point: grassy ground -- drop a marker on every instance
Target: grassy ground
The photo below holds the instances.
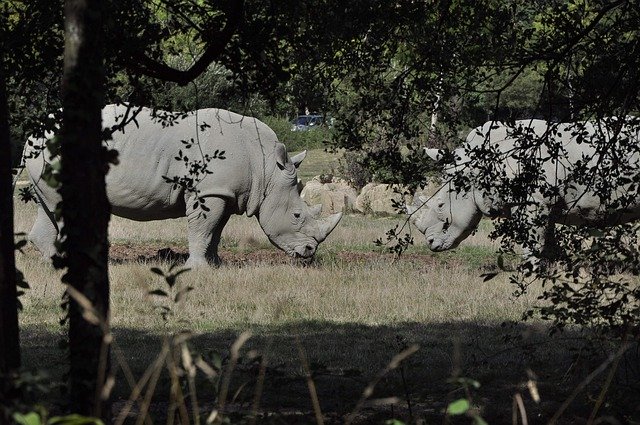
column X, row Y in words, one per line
column 351, row 311
column 318, row 161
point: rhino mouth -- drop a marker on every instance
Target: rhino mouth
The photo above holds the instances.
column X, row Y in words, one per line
column 436, row 245
column 304, row 251
column 442, row 241
column 301, row 260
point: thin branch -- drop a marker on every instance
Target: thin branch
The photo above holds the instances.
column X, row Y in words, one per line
column 136, row 61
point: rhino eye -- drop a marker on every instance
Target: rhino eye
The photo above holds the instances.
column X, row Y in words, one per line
column 296, row 214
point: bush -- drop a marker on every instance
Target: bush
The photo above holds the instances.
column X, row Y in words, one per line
column 317, row 138
column 353, row 170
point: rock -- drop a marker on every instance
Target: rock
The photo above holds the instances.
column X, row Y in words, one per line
column 376, row 198
column 334, row 194
column 432, row 186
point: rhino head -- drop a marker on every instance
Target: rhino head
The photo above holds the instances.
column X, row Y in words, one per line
column 448, row 217
column 289, row 223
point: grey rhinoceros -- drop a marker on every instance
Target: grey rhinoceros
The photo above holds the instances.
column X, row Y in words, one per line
column 450, row 215
column 255, row 176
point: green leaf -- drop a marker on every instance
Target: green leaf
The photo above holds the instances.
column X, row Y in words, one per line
column 157, row 271
column 158, row 292
column 179, row 272
column 488, row 276
column 458, row 407
column 31, row 418
column 182, row 293
column 74, row 420
column 56, row 165
column 477, row 420
column 216, row 360
column 394, row 422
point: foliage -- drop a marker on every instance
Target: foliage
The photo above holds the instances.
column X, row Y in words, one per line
column 33, row 418
column 352, row 169
column 32, row 42
column 212, row 89
column 175, row 294
column 316, row 138
column 464, row 406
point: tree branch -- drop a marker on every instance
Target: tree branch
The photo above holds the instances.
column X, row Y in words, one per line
column 140, row 63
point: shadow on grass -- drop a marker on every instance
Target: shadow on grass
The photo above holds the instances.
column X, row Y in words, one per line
column 345, row 357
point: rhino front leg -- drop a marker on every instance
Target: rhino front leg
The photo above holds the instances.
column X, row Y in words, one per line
column 44, row 234
column 205, row 229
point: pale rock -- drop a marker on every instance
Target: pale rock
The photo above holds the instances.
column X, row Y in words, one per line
column 335, row 196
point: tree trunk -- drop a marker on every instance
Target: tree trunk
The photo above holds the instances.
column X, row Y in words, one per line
column 85, row 208
column 9, row 335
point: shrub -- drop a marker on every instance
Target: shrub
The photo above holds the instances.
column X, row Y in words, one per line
column 353, row 170
column 317, row 138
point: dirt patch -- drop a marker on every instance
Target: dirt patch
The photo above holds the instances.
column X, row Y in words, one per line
column 123, row 253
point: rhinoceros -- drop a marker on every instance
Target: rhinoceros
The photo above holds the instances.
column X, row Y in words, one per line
column 249, row 172
column 453, row 213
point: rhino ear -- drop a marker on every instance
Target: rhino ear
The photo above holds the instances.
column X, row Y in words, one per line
column 435, row 154
column 281, row 156
column 410, row 209
column 423, row 199
column 297, row 159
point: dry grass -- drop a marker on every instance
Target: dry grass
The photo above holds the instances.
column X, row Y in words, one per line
column 368, row 290
column 318, row 161
column 352, row 312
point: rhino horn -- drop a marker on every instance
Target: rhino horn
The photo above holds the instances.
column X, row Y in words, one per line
column 435, row 154
column 315, row 210
column 328, row 224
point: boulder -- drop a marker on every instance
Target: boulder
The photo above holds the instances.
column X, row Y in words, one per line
column 335, row 194
column 433, row 185
column 376, row 198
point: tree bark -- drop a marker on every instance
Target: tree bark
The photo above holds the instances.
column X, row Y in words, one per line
column 9, row 332
column 85, row 207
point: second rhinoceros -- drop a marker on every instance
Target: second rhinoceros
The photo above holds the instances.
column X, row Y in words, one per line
column 571, row 187
column 249, row 171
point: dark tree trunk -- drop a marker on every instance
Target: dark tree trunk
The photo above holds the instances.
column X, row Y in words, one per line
column 9, row 337
column 85, row 208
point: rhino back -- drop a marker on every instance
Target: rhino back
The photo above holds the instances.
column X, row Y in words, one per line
column 147, row 151
column 581, row 204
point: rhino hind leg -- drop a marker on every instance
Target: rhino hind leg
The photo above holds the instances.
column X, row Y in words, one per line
column 205, row 230
column 44, row 234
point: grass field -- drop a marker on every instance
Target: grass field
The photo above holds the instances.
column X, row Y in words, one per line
column 350, row 311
